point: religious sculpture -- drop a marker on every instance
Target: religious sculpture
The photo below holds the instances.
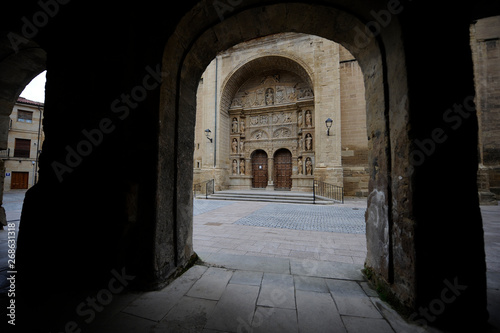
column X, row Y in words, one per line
column 308, row 119
column 242, row 167
column 270, row 96
column 308, row 166
column 242, row 125
column 235, row 125
column 299, row 120
column 235, row 167
column 300, row 166
column 235, row 146
column 309, row 142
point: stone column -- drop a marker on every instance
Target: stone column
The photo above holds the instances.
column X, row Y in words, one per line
column 270, row 170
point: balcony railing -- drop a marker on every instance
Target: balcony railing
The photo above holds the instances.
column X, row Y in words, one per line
column 207, row 188
column 329, row 191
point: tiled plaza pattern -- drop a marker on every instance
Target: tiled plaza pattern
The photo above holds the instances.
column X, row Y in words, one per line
column 334, row 218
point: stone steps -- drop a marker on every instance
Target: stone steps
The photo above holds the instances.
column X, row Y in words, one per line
column 270, row 196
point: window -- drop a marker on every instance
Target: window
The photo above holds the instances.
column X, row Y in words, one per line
column 25, row 116
column 22, row 148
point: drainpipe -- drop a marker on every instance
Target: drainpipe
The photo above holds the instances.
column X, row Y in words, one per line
column 38, row 145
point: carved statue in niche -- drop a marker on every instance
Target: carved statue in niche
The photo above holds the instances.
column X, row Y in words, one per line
column 242, row 125
column 308, row 118
column 309, row 141
column 300, row 166
column 235, row 167
column 299, row 119
column 235, row 125
column 270, row 96
column 242, row 146
column 235, row 146
column 242, row 167
column 309, row 166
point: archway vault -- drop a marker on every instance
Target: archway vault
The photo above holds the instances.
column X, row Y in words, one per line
column 192, row 48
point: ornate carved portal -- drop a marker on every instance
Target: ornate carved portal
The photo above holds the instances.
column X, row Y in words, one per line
column 272, row 115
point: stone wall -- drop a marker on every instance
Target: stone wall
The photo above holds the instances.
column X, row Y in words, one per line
column 485, row 43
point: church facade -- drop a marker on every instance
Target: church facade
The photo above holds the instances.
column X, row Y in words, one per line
column 279, row 112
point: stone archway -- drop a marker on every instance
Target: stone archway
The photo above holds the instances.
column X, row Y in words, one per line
column 178, row 98
column 391, row 223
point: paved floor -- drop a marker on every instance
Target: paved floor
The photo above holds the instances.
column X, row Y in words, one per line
column 274, row 230
column 267, row 279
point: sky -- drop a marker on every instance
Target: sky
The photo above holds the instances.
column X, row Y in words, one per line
column 35, row 90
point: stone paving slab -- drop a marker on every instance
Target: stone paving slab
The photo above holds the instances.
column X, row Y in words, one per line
column 317, row 313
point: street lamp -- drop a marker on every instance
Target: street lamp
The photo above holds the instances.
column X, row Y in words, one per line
column 208, row 133
column 329, row 124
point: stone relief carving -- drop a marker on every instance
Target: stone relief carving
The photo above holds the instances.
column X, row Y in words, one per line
column 282, row 118
column 283, row 133
column 272, row 90
column 300, row 166
column 259, row 135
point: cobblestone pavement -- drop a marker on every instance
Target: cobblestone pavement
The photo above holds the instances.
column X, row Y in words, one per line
column 334, row 218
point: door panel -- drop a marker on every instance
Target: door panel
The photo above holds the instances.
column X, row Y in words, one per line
column 19, row 180
column 259, row 169
column 283, row 170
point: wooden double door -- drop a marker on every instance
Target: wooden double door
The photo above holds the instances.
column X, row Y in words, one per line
column 283, row 170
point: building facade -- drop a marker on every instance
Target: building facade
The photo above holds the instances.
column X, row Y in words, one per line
column 25, row 138
column 282, row 111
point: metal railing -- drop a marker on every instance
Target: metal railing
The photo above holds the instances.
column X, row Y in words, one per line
column 207, row 188
column 329, row 191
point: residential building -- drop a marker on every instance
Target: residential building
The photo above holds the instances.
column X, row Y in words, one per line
column 25, row 138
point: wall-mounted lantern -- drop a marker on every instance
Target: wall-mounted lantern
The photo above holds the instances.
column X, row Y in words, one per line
column 329, row 124
column 208, row 133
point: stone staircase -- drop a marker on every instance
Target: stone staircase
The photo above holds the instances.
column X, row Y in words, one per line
column 270, row 196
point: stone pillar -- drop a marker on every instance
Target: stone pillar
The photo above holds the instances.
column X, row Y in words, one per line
column 270, row 170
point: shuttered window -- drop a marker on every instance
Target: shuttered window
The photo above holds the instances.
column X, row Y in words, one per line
column 24, row 116
column 22, row 148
